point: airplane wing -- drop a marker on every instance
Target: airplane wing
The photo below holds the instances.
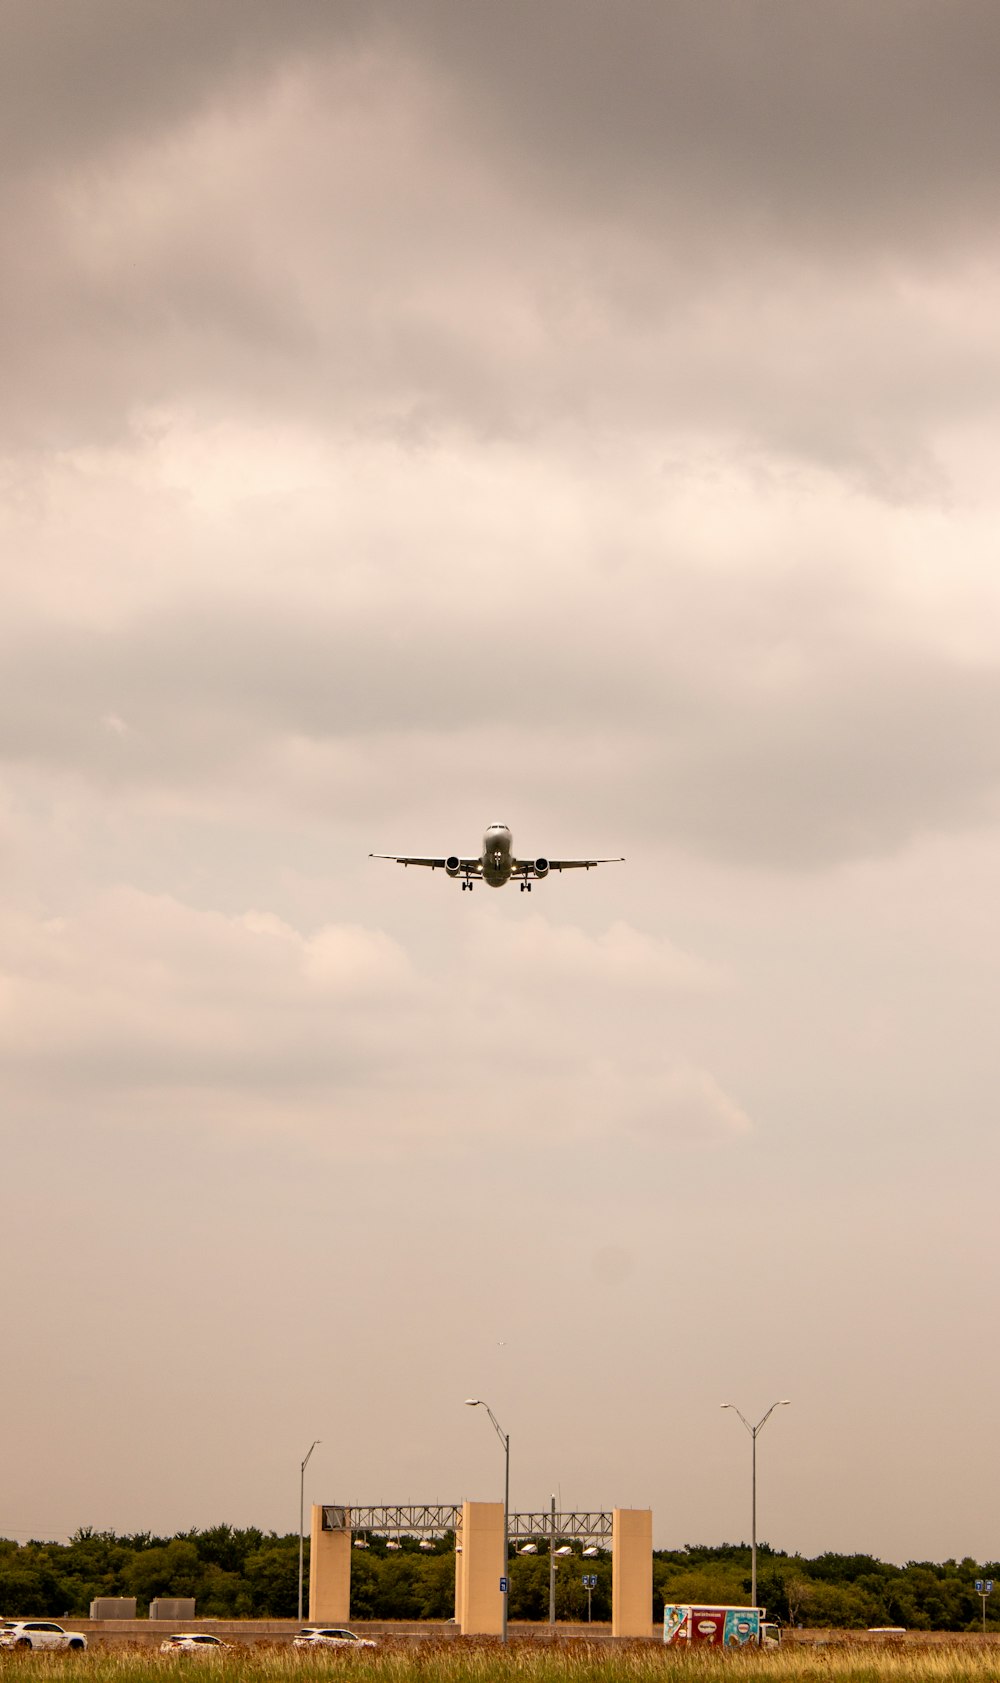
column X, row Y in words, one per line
column 581, row 864
column 524, row 869
column 470, row 867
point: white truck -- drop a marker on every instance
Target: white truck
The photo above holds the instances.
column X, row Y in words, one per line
column 720, row 1627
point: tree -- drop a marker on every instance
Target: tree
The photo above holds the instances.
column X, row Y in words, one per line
column 437, row 1585
column 271, row 1573
column 364, row 1585
column 529, row 1587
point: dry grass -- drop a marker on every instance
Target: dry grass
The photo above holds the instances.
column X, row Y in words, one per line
column 520, row 1663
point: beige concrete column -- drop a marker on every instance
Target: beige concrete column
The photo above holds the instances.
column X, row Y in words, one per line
column 480, row 1611
column 632, row 1572
column 329, row 1572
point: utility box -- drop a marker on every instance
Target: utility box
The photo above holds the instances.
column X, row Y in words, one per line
column 173, row 1608
column 113, row 1607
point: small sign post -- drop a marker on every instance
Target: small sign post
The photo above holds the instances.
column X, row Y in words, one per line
column 984, row 1587
column 589, row 1584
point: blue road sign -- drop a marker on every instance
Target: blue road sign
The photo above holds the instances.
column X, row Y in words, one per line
column 504, row 1583
column 979, row 1586
column 590, row 1581
column 989, row 1586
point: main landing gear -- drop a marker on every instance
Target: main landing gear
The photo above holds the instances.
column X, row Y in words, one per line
column 525, row 885
column 467, row 884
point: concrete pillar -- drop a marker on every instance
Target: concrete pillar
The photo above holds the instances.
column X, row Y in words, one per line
column 632, row 1572
column 480, row 1611
column 329, row 1571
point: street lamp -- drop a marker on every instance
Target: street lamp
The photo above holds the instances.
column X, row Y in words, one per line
column 477, row 1402
column 302, row 1498
column 552, row 1563
column 753, row 1430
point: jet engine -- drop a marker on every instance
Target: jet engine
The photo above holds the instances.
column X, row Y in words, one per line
column 453, row 864
column 541, row 867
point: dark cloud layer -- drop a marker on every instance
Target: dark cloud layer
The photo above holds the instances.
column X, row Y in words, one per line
column 664, row 212
column 79, row 82
column 832, row 125
column 876, row 119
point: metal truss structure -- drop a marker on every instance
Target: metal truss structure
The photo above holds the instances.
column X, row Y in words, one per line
column 435, row 1519
column 587, row 1527
column 428, row 1519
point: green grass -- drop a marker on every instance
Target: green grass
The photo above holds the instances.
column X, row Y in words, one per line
column 527, row 1662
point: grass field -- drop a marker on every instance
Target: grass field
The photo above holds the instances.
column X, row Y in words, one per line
column 520, row 1663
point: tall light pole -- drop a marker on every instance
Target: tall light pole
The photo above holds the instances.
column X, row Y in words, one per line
column 477, row 1402
column 552, row 1565
column 753, row 1430
column 302, row 1516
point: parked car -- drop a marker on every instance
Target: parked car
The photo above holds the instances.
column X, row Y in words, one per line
column 330, row 1636
column 192, row 1642
column 39, row 1633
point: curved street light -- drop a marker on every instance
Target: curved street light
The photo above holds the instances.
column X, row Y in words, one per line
column 302, row 1495
column 477, row 1402
column 753, row 1430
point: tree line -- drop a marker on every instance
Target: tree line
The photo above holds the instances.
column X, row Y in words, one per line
column 247, row 1573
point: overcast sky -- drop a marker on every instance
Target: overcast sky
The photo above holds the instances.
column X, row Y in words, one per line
column 579, row 415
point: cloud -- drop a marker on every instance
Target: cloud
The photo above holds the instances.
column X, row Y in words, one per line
column 75, row 86
column 140, row 991
column 835, row 128
column 412, row 224
column 818, row 689
column 684, row 1106
column 539, row 954
column 634, row 113
column 137, row 1003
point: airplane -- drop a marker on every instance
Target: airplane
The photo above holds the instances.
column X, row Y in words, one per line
column 496, row 865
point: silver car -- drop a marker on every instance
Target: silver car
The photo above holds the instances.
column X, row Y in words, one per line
column 192, row 1642
column 330, row 1636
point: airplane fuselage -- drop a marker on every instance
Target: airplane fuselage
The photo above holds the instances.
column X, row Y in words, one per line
column 498, row 859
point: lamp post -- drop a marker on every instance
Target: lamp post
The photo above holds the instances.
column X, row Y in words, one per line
column 753, row 1430
column 302, row 1501
column 477, row 1402
column 552, row 1564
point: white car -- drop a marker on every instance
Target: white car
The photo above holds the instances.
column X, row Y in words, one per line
column 192, row 1642
column 39, row 1633
column 330, row 1636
